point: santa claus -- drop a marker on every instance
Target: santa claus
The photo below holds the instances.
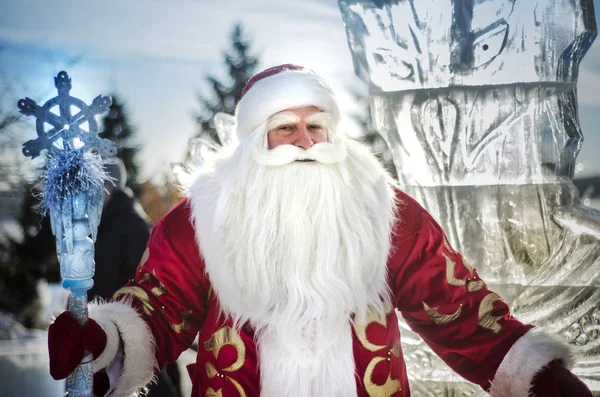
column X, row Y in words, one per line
column 288, row 261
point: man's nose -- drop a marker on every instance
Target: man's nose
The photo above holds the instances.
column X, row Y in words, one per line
column 303, row 138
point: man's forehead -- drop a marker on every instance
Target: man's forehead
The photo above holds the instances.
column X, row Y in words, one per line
column 285, row 115
column 297, row 113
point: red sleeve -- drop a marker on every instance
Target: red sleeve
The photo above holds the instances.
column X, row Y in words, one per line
column 170, row 287
column 442, row 298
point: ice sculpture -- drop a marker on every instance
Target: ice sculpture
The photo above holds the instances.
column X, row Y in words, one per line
column 477, row 101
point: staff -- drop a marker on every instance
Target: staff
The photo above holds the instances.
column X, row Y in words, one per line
column 72, row 184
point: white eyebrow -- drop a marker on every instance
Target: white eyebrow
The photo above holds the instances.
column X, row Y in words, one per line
column 321, row 118
column 283, row 118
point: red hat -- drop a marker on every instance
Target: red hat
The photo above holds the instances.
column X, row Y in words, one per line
column 279, row 88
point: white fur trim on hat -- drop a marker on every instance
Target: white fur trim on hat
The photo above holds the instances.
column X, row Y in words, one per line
column 122, row 322
column 285, row 90
column 524, row 360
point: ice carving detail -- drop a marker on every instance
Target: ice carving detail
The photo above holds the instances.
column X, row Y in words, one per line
column 477, row 101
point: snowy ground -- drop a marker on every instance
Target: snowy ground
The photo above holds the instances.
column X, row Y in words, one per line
column 24, row 362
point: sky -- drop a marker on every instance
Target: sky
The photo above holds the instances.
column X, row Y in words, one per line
column 155, row 55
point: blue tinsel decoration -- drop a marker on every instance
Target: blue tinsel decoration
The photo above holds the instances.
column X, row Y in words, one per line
column 66, row 174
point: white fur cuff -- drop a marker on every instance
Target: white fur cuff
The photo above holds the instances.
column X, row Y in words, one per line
column 525, row 358
column 121, row 322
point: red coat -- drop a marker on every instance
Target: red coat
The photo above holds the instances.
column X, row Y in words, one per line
column 436, row 290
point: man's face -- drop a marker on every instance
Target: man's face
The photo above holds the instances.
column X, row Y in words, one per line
column 301, row 127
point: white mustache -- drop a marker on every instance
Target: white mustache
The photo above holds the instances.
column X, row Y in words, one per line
column 324, row 153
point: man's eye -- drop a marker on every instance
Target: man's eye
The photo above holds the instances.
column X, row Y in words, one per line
column 285, row 128
column 317, row 129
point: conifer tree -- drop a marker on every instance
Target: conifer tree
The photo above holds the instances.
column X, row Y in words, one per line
column 118, row 128
column 225, row 95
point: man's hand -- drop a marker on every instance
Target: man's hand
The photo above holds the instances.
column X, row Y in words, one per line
column 67, row 342
column 554, row 380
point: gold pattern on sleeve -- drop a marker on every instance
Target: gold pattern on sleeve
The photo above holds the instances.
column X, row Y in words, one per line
column 238, row 387
column 441, row 319
column 227, row 336
column 396, row 350
column 449, row 247
column 389, row 388
column 472, row 282
column 210, row 392
column 452, row 251
column 222, row 337
column 185, row 323
column 470, row 268
column 211, row 371
column 373, row 316
column 160, row 289
column 486, row 318
column 475, row 285
column 138, row 293
column 450, row 279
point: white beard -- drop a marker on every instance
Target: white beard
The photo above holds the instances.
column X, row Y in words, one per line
column 295, row 250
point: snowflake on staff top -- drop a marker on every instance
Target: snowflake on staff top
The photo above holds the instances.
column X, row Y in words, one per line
column 72, row 179
column 67, row 131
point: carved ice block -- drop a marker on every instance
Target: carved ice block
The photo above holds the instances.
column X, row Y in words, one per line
column 477, row 101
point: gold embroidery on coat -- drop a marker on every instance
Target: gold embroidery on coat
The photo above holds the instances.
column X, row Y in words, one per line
column 374, row 390
column 389, row 388
column 138, row 293
column 475, row 285
column 470, row 268
column 238, row 387
column 160, row 289
column 211, row 371
column 396, row 349
column 448, row 246
column 452, row 251
column 219, row 393
column 372, row 317
column 486, row 319
column 185, row 323
column 222, row 337
column 472, row 284
column 441, row 319
column 227, row 336
column 450, row 279
column 210, row 392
